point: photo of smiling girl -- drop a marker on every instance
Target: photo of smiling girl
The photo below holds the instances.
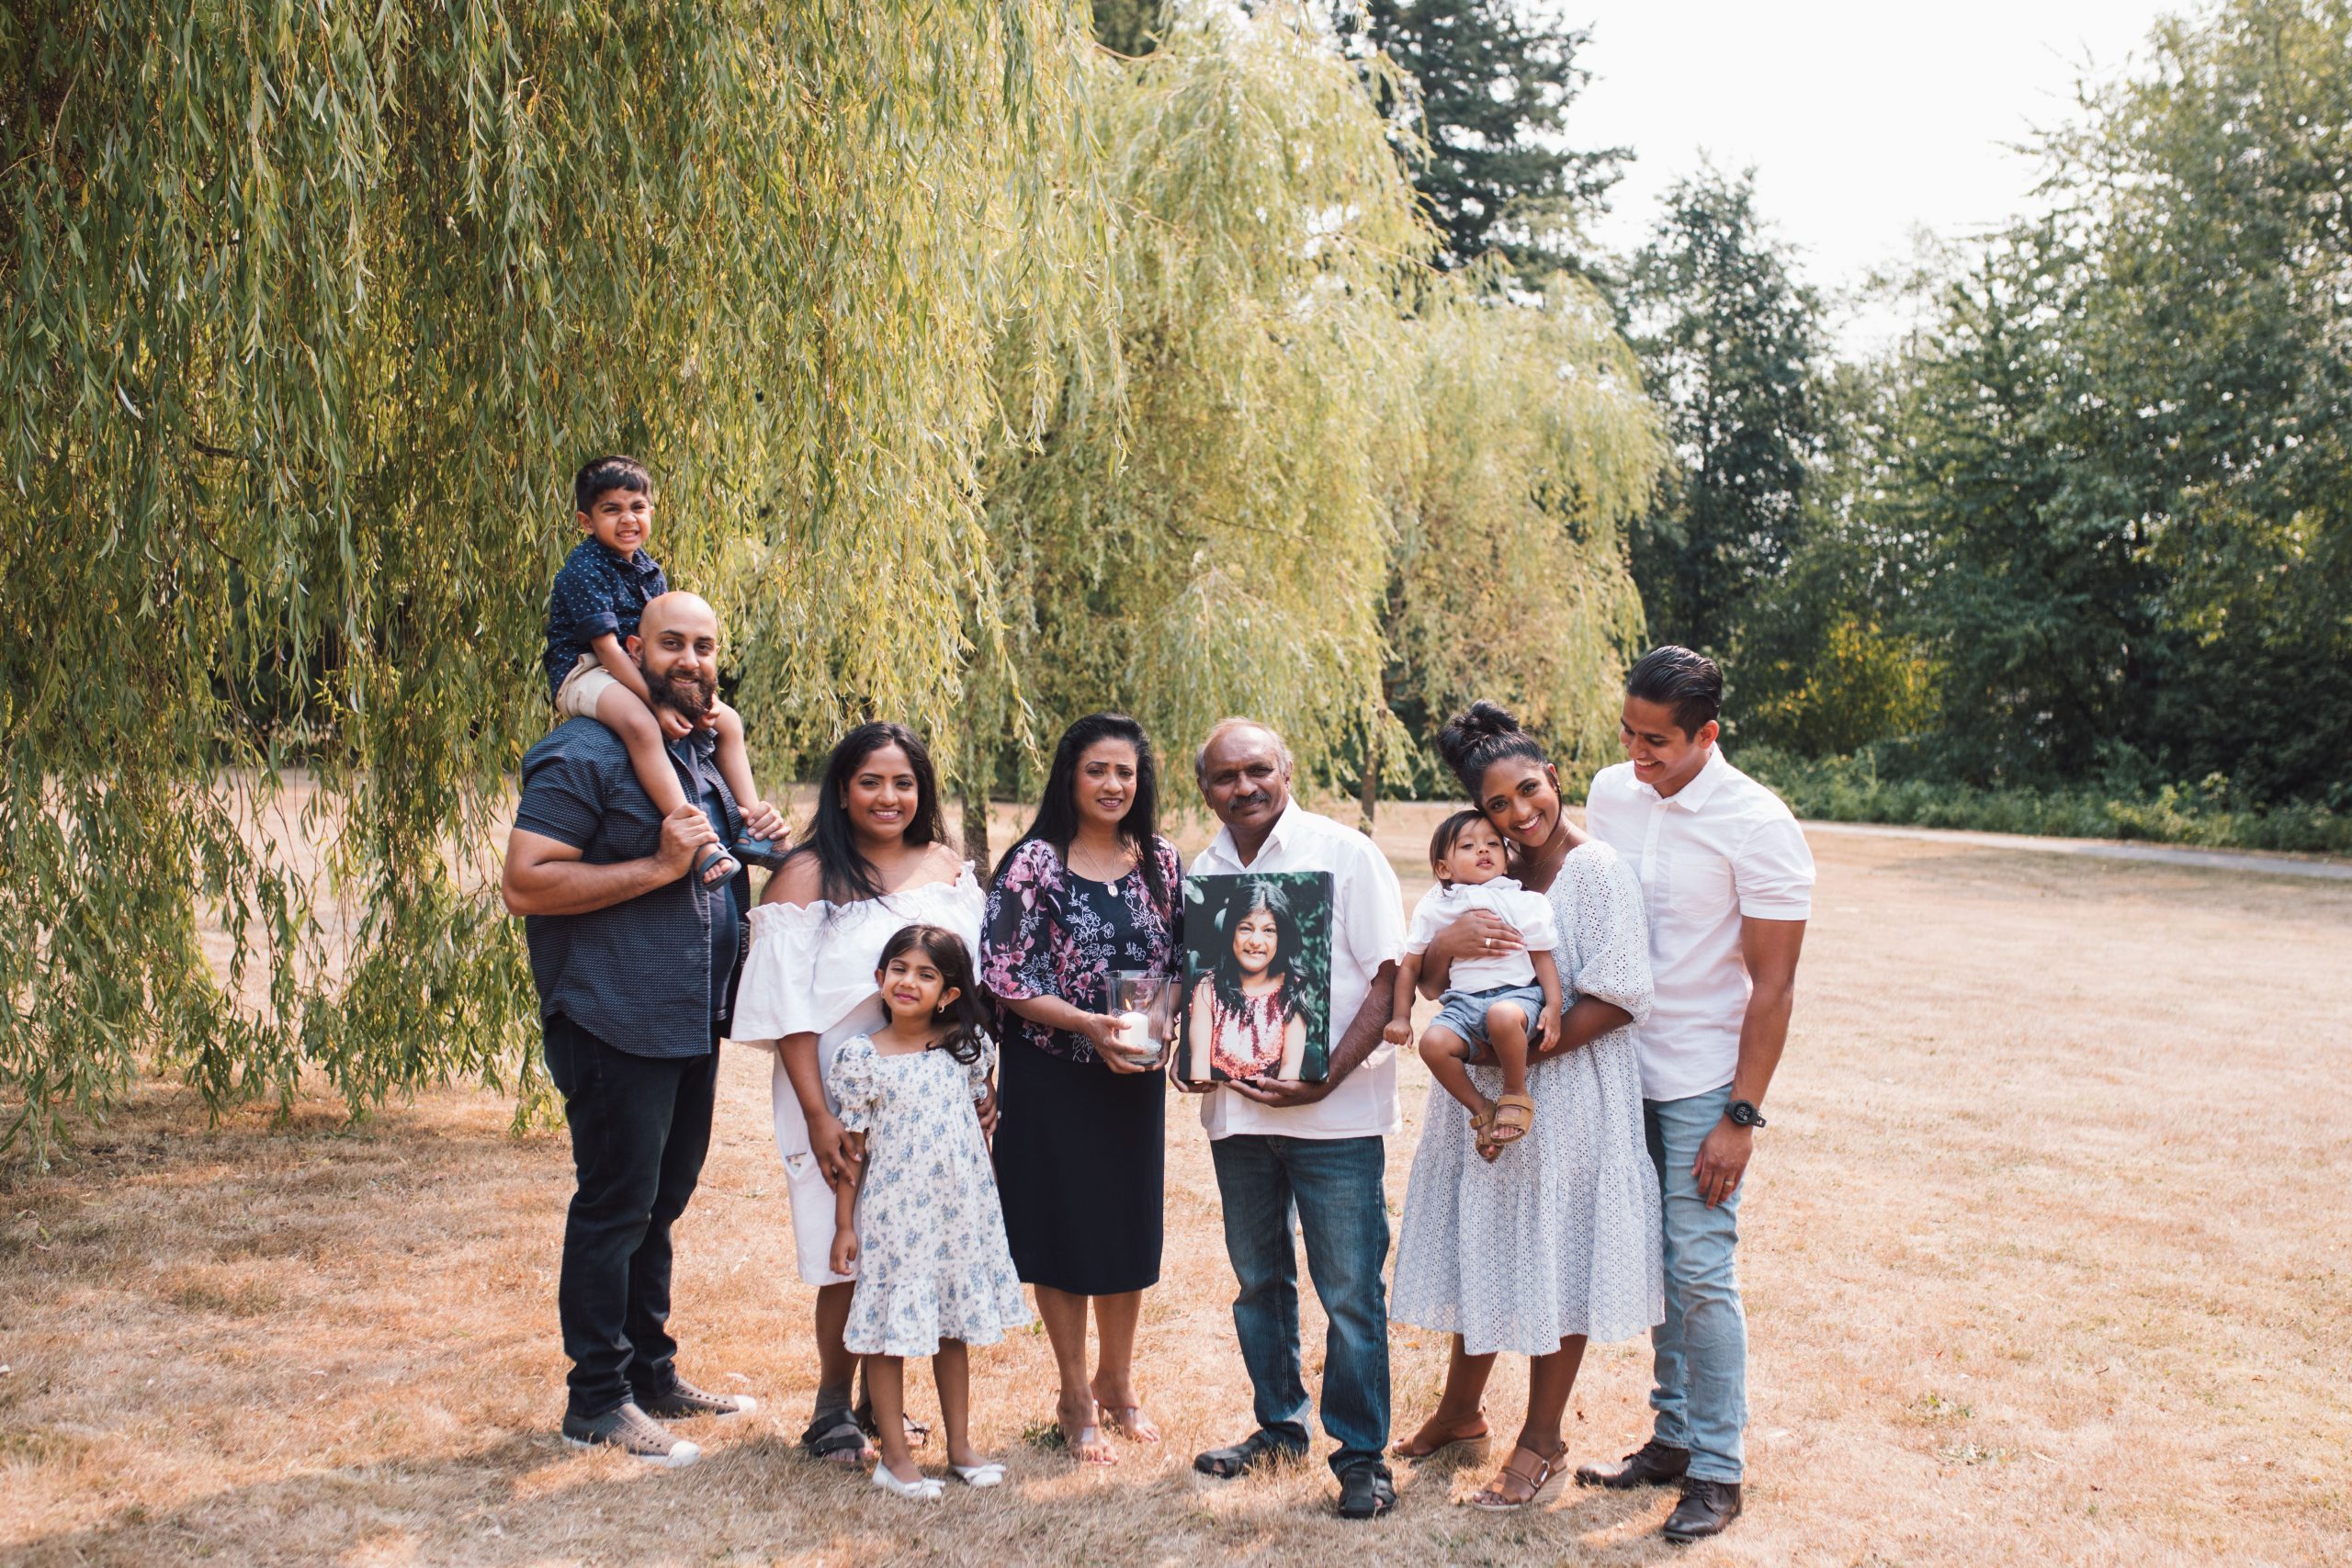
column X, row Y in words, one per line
column 1258, row 964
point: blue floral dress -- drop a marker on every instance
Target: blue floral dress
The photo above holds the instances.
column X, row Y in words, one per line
column 933, row 1262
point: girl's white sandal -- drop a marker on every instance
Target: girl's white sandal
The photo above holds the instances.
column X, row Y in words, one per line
column 922, row 1489
column 990, row 1473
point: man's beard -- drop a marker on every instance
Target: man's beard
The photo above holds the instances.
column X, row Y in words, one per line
column 686, row 696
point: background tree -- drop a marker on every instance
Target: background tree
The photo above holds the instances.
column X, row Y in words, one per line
column 1488, row 90
column 1728, row 340
column 306, row 316
column 1126, row 26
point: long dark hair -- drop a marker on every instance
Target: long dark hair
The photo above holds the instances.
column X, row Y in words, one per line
column 1475, row 740
column 948, row 954
column 1057, row 819
column 1250, row 895
column 844, row 874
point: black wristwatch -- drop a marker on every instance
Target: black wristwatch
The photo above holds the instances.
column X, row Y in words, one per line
column 1743, row 1114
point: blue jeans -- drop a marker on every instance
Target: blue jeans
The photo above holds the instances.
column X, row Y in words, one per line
column 1336, row 1188
column 1701, row 1396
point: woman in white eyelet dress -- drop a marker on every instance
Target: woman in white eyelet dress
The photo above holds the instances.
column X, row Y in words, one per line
column 807, row 989
column 1555, row 1242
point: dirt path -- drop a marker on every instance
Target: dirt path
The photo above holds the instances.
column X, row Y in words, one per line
column 2046, row 1251
column 2267, row 863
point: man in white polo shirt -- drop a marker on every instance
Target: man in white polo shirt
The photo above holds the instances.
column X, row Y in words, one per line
column 1320, row 1147
column 1727, row 881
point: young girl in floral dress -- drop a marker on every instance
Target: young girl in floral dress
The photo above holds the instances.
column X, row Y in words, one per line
column 919, row 1224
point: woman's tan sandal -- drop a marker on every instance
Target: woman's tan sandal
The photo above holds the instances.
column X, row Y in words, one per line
column 1537, row 1481
column 1513, row 1115
column 1419, row 1448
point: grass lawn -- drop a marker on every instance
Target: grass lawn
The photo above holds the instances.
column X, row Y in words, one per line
column 2047, row 1253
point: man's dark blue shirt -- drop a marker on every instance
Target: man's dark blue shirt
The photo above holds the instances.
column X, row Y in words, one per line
column 597, row 590
column 652, row 974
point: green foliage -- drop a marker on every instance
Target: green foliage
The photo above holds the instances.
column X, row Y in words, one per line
column 1126, row 26
column 1535, row 451
column 1728, row 339
column 306, row 315
column 1486, row 88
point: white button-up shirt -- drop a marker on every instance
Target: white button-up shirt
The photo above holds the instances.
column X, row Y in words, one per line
column 1721, row 849
column 1367, row 930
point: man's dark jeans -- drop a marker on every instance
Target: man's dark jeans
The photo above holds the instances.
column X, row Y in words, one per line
column 1336, row 1187
column 641, row 1127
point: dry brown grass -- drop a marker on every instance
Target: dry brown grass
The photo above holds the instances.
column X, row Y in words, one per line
column 2047, row 1261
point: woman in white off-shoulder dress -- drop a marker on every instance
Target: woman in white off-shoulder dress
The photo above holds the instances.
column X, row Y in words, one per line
column 1557, row 1241
column 875, row 860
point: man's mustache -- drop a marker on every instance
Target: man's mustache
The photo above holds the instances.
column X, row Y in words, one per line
column 1258, row 797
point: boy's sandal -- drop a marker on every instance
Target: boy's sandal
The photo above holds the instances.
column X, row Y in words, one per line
column 1482, row 1132
column 766, row 853
column 1514, row 1115
column 707, row 866
column 1256, row 1450
column 835, row 1438
column 1546, row 1472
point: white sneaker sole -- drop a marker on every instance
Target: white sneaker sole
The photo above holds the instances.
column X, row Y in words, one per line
column 681, row 1454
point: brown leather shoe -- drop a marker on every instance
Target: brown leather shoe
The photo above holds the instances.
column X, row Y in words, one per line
column 1707, row 1508
column 1652, row 1464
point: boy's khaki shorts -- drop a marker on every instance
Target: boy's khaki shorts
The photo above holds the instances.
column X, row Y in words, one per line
column 589, row 679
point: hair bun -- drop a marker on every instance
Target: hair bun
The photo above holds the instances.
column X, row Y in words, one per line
column 1482, row 721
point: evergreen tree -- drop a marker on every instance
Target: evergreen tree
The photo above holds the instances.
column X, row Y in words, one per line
column 1729, row 341
column 1489, row 97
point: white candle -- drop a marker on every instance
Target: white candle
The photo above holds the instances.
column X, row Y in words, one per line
column 1135, row 1033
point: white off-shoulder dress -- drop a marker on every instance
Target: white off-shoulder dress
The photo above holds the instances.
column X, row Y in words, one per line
column 933, row 1262
column 810, row 971
column 1559, row 1235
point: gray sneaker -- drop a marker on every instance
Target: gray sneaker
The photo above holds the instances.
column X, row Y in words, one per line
column 683, row 1402
column 633, row 1432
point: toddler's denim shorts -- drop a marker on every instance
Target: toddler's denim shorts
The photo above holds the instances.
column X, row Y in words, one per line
column 1465, row 1013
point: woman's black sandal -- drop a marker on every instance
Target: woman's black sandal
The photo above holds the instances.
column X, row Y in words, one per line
column 918, row 1432
column 834, row 1437
column 1260, row 1448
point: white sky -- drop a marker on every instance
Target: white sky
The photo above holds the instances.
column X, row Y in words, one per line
column 1865, row 121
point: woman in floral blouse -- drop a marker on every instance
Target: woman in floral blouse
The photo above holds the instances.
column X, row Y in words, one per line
column 1091, row 889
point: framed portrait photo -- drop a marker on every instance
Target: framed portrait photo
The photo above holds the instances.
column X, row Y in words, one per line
column 1256, row 998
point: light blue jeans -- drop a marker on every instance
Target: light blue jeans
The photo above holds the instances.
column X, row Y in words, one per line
column 1701, row 1392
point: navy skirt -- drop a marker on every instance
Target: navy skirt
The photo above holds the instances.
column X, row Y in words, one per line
column 1081, row 1164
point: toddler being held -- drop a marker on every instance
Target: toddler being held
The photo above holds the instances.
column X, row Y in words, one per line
column 1492, row 1007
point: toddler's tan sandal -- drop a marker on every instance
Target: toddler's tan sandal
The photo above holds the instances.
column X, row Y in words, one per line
column 1515, row 1114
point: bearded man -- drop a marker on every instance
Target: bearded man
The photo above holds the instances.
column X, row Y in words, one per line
column 636, row 964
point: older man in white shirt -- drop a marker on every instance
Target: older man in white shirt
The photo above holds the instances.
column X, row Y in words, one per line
column 1727, row 881
column 1317, row 1147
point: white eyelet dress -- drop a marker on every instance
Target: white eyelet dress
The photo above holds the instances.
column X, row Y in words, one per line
column 1559, row 1235
column 810, row 971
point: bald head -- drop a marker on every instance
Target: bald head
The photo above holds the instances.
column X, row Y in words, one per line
column 691, row 610
column 677, row 651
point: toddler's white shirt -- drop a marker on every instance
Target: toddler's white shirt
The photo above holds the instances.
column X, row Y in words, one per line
column 1529, row 913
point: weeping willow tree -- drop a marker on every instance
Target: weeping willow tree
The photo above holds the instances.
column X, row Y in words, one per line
column 1536, row 450
column 307, row 313
column 1325, row 484
column 1207, row 531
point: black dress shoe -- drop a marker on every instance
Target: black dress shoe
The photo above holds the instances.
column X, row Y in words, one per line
column 1652, row 1464
column 1707, row 1508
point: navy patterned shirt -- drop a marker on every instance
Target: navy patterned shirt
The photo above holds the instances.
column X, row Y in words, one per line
column 650, row 975
column 596, row 592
